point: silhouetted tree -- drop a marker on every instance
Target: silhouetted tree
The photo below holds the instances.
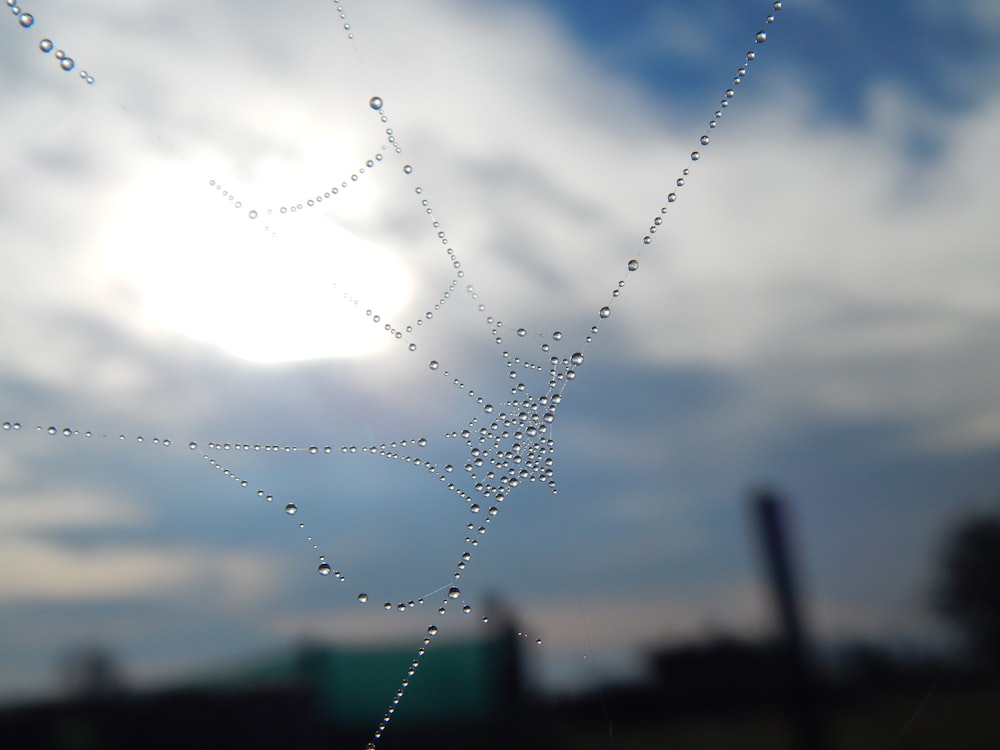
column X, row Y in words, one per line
column 969, row 590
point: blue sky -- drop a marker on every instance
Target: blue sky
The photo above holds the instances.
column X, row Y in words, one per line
column 818, row 310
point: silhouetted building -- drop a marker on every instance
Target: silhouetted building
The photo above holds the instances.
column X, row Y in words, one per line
column 313, row 694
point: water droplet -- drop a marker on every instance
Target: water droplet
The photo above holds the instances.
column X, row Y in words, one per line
column 323, row 569
column 52, row 430
column 252, row 214
column 193, row 445
column 66, row 64
column 46, row 45
column 521, row 332
column 761, row 36
column 291, row 509
column 454, row 593
column 407, row 169
column 432, row 631
column 26, row 20
column 705, row 140
column 363, row 599
column 375, row 103
column 557, row 335
column 433, row 364
column 577, row 358
column 695, row 156
column 647, row 240
column 633, row 265
column 605, row 312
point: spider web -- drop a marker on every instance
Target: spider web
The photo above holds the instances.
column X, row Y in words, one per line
column 211, row 230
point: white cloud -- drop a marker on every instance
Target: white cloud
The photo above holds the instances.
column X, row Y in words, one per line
column 63, row 573
column 29, row 512
column 854, row 279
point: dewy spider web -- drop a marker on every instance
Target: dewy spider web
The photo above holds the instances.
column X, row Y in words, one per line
column 508, row 438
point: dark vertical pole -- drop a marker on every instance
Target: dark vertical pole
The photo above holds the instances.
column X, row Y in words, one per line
column 800, row 691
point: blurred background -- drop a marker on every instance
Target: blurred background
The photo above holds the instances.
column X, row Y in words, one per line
column 215, row 242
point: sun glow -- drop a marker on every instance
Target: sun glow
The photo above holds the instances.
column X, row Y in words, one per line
column 269, row 289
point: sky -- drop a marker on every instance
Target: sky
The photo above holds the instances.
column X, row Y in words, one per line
column 817, row 310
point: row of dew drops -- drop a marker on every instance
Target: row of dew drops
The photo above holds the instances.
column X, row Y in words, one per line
column 317, row 197
column 26, row 21
column 291, row 508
